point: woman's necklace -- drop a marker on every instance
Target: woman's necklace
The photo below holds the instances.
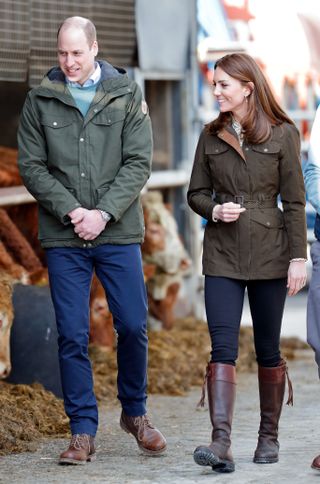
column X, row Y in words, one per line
column 238, row 129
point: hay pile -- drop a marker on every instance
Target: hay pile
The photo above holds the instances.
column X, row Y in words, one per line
column 177, row 359
column 27, row 413
column 104, row 364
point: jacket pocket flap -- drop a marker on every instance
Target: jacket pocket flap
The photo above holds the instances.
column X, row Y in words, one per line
column 109, row 117
column 102, row 190
column 270, row 221
column 216, row 148
column 267, row 148
column 55, row 122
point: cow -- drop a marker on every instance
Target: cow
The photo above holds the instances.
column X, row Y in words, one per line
column 6, row 318
column 101, row 321
column 163, row 250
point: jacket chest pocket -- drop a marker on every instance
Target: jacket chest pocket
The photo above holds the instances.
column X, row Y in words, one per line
column 55, row 126
column 60, row 132
column 222, row 162
column 110, row 118
column 266, row 152
column 216, row 154
column 216, row 149
column 106, row 130
column 264, row 164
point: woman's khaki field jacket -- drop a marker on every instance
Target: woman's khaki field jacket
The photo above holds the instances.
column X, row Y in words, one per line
column 260, row 244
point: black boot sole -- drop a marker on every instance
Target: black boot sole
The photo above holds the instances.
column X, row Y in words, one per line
column 224, row 467
column 265, row 460
column 203, row 456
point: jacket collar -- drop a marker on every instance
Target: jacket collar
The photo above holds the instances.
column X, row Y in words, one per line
column 227, row 134
column 107, row 72
column 112, row 78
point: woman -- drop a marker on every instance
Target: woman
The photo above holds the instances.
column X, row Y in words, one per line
column 244, row 159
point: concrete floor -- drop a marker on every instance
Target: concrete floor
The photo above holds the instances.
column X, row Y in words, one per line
column 119, row 460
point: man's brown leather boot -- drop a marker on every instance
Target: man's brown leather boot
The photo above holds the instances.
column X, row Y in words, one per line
column 149, row 439
column 81, row 450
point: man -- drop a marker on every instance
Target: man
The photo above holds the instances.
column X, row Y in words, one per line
column 312, row 182
column 85, row 149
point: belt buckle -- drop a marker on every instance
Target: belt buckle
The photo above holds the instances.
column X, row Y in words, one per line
column 239, row 199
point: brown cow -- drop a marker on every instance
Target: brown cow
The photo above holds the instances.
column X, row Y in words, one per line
column 162, row 249
column 10, row 267
column 17, row 245
column 101, row 321
column 6, row 317
column 9, row 172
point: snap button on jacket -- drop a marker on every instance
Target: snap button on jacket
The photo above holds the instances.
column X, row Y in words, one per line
column 260, row 244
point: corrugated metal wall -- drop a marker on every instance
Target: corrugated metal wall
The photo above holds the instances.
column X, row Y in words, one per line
column 115, row 24
column 14, row 39
column 46, row 16
column 28, row 33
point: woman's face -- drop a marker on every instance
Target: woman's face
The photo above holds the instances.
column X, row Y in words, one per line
column 230, row 94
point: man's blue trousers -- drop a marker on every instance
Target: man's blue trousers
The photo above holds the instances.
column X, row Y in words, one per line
column 119, row 268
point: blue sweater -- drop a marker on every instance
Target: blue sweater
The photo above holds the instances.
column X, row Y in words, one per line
column 83, row 96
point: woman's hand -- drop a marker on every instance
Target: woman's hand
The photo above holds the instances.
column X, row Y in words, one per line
column 297, row 277
column 227, row 212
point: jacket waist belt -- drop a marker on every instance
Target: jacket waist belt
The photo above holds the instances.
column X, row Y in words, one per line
column 241, row 200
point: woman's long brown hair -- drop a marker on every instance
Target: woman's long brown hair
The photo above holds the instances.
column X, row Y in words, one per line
column 263, row 109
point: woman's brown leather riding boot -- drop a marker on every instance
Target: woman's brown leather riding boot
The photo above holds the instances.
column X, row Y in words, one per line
column 271, row 390
column 221, row 384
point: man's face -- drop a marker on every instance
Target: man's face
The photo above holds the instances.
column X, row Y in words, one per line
column 75, row 56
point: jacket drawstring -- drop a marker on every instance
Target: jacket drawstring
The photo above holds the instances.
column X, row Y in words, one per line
column 203, row 391
column 290, row 389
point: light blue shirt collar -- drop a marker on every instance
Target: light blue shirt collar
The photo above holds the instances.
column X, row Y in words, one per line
column 93, row 79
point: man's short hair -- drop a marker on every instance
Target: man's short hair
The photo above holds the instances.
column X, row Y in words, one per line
column 82, row 23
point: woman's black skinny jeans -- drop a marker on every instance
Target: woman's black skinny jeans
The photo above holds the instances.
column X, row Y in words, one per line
column 224, row 303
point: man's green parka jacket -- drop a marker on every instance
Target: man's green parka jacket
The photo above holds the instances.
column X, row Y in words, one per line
column 100, row 161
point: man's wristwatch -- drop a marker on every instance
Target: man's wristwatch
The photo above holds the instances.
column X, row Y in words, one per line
column 105, row 215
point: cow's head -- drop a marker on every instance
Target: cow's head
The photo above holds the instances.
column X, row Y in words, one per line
column 6, row 317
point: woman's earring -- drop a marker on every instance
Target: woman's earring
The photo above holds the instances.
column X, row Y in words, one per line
column 246, row 98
